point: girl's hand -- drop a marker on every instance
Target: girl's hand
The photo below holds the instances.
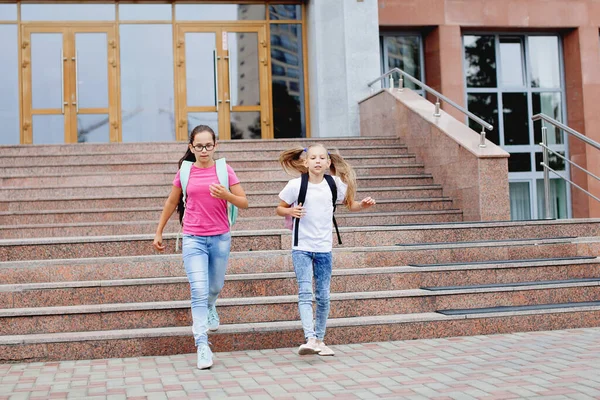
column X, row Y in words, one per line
column 366, row 203
column 218, row 191
column 297, row 212
column 158, row 242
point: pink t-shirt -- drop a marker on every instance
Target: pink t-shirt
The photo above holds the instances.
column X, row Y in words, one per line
column 205, row 215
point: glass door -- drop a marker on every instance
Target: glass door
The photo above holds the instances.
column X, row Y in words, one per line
column 222, row 81
column 69, row 85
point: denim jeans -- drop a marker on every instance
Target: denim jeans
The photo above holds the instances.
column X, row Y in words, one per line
column 306, row 266
column 205, row 261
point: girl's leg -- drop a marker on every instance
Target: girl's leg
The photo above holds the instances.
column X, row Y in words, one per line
column 322, row 265
column 218, row 256
column 303, row 267
column 195, row 260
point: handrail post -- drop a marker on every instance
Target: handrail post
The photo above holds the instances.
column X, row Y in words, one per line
column 401, row 83
column 546, row 172
column 391, row 81
column 482, row 137
column 437, row 107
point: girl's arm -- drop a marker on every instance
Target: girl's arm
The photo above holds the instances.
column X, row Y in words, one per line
column 168, row 210
column 235, row 195
column 285, row 209
column 363, row 204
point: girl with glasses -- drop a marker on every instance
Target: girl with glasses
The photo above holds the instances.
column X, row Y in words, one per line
column 311, row 255
column 206, row 232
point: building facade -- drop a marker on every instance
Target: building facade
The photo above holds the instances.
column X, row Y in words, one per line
column 100, row 71
column 507, row 61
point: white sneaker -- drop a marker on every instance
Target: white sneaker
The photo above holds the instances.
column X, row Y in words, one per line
column 325, row 351
column 310, row 347
column 205, row 359
column 212, row 319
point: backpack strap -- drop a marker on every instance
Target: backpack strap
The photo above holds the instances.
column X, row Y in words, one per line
column 222, row 173
column 301, row 199
column 333, row 188
column 184, row 177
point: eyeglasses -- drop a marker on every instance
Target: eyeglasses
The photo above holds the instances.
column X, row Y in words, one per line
column 208, row 147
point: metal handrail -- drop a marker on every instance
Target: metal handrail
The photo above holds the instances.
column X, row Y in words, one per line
column 546, row 149
column 438, row 95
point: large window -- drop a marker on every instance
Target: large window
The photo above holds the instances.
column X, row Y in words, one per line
column 404, row 51
column 9, row 85
column 508, row 79
column 84, row 71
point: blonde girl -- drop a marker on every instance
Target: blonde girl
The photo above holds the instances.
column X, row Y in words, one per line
column 312, row 254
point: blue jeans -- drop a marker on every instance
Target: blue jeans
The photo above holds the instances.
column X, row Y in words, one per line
column 306, row 266
column 205, row 261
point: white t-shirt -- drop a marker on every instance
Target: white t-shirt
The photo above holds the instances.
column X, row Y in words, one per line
column 315, row 228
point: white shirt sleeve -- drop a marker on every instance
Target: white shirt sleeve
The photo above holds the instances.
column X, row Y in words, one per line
column 290, row 192
column 342, row 188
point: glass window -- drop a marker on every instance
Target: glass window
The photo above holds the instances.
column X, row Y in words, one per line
column 93, row 128
column 48, row 129
column 287, row 66
column 220, row 12
column 200, row 75
column 144, row 12
column 147, row 109
column 480, row 61
column 543, row 53
column 203, row 118
column 554, row 161
column 515, row 118
column 519, row 162
column 8, row 12
column 67, row 12
column 550, row 104
column 403, row 52
column 511, row 62
column 285, row 11
column 558, row 198
column 526, row 63
column 47, row 70
column 9, row 85
column 245, row 125
column 520, row 200
column 485, row 106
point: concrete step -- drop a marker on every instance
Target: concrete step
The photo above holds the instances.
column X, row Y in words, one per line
column 128, row 245
column 178, row 340
column 231, row 155
column 76, row 178
column 153, row 289
column 141, row 313
column 265, row 213
column 258, row 192
column 68, row 166
column 416, row 211
column 254, row 188
column 401, row 277
column 224, row 145
column 257, row 208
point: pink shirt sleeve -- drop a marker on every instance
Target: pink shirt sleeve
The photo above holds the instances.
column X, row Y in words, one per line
column 177, row 180
column 233, row 179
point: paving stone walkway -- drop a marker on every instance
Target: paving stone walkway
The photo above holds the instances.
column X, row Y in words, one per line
column 550, row 365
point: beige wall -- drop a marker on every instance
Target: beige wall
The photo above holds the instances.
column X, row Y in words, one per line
column 443, row 21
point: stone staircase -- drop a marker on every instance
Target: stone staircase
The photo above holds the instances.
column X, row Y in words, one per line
column 79, row 279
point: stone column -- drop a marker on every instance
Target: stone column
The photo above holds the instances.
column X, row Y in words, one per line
column 444, row 66
column 343, row 55
column 582, row 76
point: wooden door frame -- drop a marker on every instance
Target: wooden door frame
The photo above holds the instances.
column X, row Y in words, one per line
column 260, row 28
column 68, row 31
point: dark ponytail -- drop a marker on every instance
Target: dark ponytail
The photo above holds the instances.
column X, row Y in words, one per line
column 189, row 156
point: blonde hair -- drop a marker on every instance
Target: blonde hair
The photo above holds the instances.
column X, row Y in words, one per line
column 292, row 162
